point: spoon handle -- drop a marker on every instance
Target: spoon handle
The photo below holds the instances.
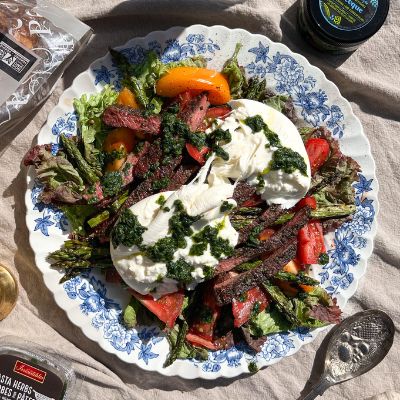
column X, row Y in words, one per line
column 318, row 389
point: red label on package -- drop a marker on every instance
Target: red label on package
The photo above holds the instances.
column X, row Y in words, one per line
column 28, row 379
column 29, row 371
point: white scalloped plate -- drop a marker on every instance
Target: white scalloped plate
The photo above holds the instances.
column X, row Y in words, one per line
column 95, row 306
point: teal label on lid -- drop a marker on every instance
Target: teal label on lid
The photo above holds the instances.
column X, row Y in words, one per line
column 348, row 15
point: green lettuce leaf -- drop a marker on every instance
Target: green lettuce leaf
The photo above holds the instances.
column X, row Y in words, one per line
column 235, row 73
column 277, row 102
column 89, row 110
column 57, row 170
column 267, row 322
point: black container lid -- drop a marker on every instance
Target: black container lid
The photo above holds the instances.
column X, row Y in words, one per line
column 347, row 21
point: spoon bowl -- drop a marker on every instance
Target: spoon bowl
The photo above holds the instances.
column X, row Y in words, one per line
column 356, row 346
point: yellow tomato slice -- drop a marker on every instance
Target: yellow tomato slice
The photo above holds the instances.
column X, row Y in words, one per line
column 180, row 79
column 125, row 136
column 127, row 98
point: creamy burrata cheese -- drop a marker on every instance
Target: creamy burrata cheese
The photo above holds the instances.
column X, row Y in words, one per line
column 250, row 154
column 144, row 275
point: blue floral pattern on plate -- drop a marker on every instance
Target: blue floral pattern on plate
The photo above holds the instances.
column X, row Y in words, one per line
column 290, row 80
column 313, row 103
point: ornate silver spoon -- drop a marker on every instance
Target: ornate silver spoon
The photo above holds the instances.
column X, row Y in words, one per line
column 357, row 345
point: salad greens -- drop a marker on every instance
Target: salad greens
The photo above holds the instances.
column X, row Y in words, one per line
column 89, row 111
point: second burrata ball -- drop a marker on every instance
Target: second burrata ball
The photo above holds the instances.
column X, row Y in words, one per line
column 251, row 153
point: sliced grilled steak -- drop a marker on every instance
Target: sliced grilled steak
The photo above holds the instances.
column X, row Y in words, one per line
column 145, row 188
column 277, row 240
column 266, row 219
column 194, row 111
column 272, row 213
column 127, row 172
column 181, row 176
column 119, row 116
column 94, row 193
column 243, row 191
column 150, row 159
column 232, row 288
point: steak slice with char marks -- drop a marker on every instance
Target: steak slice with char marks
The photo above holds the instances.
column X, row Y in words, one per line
column 145, row 188
column 278, row 239
column 243, row 191
column 119, row 116
column 152, row 159
column 232, row 288
column 181, row 176
column 194, row 112
column 266, row 219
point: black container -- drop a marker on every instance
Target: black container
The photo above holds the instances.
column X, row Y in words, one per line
column 27, row 372
column 340, row 26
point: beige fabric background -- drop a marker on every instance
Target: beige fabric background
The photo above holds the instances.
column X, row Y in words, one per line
column 369, row 79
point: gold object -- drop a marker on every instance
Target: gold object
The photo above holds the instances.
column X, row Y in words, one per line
column 8, row 292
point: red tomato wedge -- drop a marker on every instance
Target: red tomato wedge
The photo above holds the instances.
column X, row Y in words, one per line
column 204, row 322
column 310, row 243
column 218, row 112
column 254, row 299
column 307, row 201
column 167, row 308
column 180, row 79
column 196, row 340
column 318, row 151
column 197, row 154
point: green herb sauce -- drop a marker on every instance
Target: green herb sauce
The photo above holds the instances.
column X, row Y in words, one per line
column 128, row 231
column 161, row 201
column 253, row 240
column 180, row 271
column 226, row 207
column 111, row 183
column 288, row 161
column 161, row 183
column 283, row 158
column 219, row 247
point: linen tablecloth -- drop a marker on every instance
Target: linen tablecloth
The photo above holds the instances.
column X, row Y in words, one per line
column 369, row 79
